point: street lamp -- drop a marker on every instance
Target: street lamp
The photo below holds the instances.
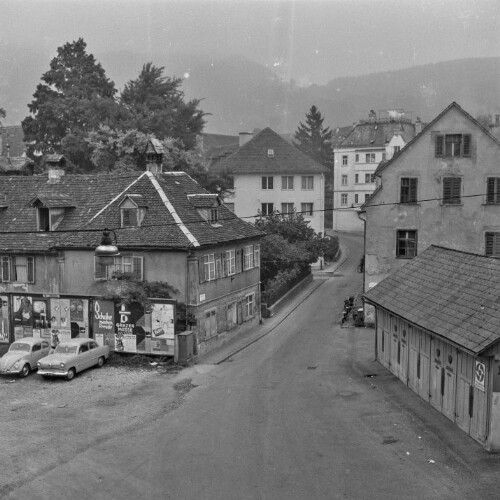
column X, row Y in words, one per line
column 107, row 251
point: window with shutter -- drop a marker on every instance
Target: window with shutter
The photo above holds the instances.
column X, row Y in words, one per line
column 453, row 145
column 248, row 257
column 452, row 190
column 256, row 255
column 5, row 268
column 231, row 262
column 239, row 261
column 492, row 244
column 138, row 268
column 439, row 145
column 218, row 266
column 408, row 193
column 201, row 268
column 493, row 190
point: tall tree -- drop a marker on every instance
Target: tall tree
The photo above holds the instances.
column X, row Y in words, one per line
column 315, row 140
column 75, row 96
column 156, row 106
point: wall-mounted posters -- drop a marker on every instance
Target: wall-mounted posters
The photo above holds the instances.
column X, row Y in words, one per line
column 163, row 328
column 40, row 318
column 131, row 327
column 4, row 319
column 23, row 316
column 59, row 320
column 103, row 322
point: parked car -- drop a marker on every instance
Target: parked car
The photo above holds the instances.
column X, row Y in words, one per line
column 23, row 356
column 71, row 357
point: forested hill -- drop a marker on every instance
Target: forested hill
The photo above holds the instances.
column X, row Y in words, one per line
column 241, row 95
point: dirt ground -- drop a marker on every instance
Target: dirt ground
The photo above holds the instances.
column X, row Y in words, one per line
column 46, row 421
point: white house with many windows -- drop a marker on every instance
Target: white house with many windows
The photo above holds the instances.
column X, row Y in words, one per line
column 271, row 175
column 356, row 159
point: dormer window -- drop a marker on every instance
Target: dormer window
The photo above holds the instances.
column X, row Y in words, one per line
column 270, row 153
column 50, row 210
column 214, row 215
column 132, row 211
column 43, row 219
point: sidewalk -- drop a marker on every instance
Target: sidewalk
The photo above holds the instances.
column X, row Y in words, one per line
column 287, row 304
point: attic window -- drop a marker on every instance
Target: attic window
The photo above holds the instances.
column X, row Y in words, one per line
column 48, row 219
column 270, row 153
column 132, row 211
column 214, row 215
column 130, row 217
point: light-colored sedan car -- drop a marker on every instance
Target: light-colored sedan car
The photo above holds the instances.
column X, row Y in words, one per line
column 71, row 357
column 23, row 356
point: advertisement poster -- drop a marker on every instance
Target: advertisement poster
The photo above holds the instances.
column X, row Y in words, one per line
column 40, row 319
column 23, row 316
column 60, row 320
column 78, row 315
column 103, row 319
column 130, row 327
column 4, row 319
column 163, row 328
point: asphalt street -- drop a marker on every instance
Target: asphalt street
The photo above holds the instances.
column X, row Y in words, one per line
column 303, row 413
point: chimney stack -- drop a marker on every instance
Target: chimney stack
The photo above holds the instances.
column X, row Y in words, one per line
column 55, row 167
column 154, row 157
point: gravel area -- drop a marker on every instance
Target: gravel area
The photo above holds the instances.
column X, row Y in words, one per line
column 47, row 421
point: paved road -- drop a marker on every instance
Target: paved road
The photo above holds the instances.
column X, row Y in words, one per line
column 304, row 413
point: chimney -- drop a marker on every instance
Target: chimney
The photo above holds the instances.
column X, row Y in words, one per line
column 55, row 167
column 154, row 157
column 245, row 137
column 418, row 126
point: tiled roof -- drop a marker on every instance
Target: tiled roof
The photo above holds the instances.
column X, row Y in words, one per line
column 253, row 157
column 13, row 137
column 377, row 134
column 204, row 200
column 453, row 294
column 339, row 134
column 14, row 164
column 170, row 222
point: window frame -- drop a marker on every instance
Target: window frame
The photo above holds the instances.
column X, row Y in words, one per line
column 450, row 184
column 307, row 209
column 344, row 180
column 493, row 190
column 307, row 182
column 492, row 247
column 267, row 182
column 444, row 146
column 408, row 194
column 29, row 265
column 343, row 199
column 287, row 182
column 345, row 160
column 231, row 262
column 285, row 208
column 248, row 258
column 403, row 243
column 266, row 210
column 209, row 267
column 249, row 305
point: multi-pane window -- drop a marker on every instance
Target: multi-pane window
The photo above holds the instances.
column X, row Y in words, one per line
column 369, row 178
column 344, row 180
column 406, row 244
column 343, row 199
column 452, row 190
column 307, row 182
column 267, row 182
column 130, row 217
column 356, row 178
column 344, row 160
column 230, row 262
column 287, row 182
column 492, row 244
column 370, row 157
column 356, row 198
column 270, row 153
column 214, row 215
column 267, row 208
column 306, row 209
column 23, row 269
column 408, row 192
column 453, row 145
column 287, row 208
column 248, row 256
column 493, row 190
column 132, row 265
column 249, row 305
column 397, row 149
column 209, row 264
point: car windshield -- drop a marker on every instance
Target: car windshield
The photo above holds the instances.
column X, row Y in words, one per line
column 18, row 346
column 66, row 349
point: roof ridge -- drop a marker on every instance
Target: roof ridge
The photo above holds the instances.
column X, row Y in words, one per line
column 456, row 250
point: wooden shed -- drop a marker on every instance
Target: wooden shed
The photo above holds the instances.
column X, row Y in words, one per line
column 438, row 330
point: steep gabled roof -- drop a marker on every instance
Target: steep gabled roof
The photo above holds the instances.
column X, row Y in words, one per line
column 253, row 158
column 453, row 294
column 170, row 222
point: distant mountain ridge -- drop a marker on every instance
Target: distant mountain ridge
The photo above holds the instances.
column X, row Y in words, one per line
column 241, row 95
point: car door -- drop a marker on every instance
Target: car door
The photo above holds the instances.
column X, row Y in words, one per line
column 36, row 354
column 95, row 352
column 83, row 358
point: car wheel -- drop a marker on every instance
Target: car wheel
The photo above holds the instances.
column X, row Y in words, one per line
column 25, row 370
column 71, row 374
column 100, row 362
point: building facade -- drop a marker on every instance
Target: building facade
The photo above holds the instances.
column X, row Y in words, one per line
column 356, row 158
column 169, row 231
column 442, row 189
column 270, row 175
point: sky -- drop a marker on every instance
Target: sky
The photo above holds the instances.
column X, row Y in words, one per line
column 310, row 41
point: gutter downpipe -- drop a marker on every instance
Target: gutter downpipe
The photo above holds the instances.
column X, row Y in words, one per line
column 362, row 216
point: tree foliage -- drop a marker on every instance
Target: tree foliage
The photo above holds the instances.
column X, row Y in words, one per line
column 75, row 97
column 288, row 249
column 156, row 105
column 313, row 139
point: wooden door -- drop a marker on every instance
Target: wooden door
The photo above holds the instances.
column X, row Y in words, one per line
column 449, row 380
column 425, row 366
column 436, row 374
column 414, row 359
column 404, row 353
column 464, row 391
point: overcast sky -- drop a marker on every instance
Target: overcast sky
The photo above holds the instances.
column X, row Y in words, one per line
column 310, row 41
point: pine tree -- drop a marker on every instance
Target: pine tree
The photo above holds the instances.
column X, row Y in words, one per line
column 316, row 141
